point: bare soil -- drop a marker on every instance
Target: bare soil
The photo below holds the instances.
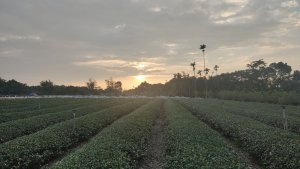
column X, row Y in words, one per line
column 156, row 150
column 243, row 156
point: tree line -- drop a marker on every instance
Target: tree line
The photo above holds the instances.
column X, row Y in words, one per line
column 47, row 87
column 275, row 83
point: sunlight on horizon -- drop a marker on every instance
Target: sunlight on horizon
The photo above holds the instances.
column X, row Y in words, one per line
column 141, row 66
column 140, row 78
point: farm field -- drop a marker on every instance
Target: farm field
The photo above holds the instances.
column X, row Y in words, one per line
column 147, row 133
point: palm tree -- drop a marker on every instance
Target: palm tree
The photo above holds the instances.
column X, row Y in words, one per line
column 193, row 64
column 199, row 73
column 216, row 68
column 202, row 47
column 206, row 70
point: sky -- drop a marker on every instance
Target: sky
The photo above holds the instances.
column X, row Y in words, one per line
column 70, row 41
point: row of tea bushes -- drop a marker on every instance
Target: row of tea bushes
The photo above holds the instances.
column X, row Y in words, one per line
column 17, row 128
column 34, row 150
column 273, row 147
column 120, row 145
column 193, row 144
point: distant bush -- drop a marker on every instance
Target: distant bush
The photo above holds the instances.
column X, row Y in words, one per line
column 277, row 97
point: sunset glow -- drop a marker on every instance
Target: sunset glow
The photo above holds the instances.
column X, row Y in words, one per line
column 140, row 78
column 141, row 66
column 148, row 41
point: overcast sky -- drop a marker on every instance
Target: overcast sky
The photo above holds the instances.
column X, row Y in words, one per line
column 69, row 41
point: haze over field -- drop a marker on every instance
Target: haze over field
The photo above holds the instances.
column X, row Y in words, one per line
column 137, row 40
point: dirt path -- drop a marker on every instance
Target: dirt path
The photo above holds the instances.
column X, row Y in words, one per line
column 156, row 150
column 73, row 148
column 243, row 156
column 70, row 151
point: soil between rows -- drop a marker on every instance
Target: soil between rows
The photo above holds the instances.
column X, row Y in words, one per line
column 156, row 150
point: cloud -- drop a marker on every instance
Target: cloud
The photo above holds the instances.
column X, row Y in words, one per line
column 48, row 40
column 290, row 4
column 6, row 38
column 105, row 63
column 157, row 9
column 120, row 27
column 235, row 20
column 120, row 66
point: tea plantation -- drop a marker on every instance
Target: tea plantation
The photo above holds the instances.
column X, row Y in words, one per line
column 139, row 133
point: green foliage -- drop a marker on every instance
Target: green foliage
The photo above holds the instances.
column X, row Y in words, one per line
column 17, row 128
column 35, row 111
column 273, row 147
column 34, row 150
column 270, row 114
column 47, row 87
column 192, row 144
column 292, row 98
column 120, row 145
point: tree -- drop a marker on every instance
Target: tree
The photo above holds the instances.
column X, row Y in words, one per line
column 257, row 75
column 206, row 70
column 202, row 47
column 112, row 87
column 193, row 64
column 199, row 73
column 177, row 75
column 91, row 85
column 296, row 75
column 47, row 87
column 258, row 64
column 281, row 73
column 118, row 86
column 110, row 83
column 216, row 68
column 2, row 86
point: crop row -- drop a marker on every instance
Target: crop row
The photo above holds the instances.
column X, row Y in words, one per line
column 5, row 117
column 193, row 144
column 272, row 147
column 293, row 111
column 17, row 128
column 120, row 145
column 34, row 150
column 271, row 115
column 50, row 105
column 13, row 104
column 35, row 104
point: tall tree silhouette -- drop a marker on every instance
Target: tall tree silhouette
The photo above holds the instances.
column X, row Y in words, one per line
column 193, row 64
column 206, row 71
column 199, row 73
column 91, row 85
column 216, row 68
column 202, row 47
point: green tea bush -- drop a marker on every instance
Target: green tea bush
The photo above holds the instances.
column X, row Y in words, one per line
column 5, row 117
column 17, row 128
column 34, row 150
column 273, row 147
column 192, row 144
column 120, row 145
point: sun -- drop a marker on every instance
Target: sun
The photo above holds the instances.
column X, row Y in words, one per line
column 141, row 66
column 140, row 78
